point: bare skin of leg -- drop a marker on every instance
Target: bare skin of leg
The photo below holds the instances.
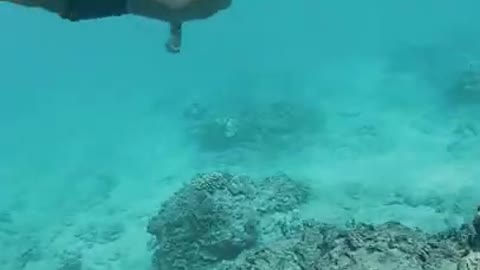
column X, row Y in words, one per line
column 174, row 42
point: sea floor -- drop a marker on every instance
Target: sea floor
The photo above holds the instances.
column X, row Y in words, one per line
column 82, row 172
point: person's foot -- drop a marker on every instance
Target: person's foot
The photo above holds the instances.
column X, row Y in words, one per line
column 175, row 40
column 172, row 45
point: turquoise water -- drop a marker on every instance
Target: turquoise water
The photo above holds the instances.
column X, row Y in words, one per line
column 94, row 133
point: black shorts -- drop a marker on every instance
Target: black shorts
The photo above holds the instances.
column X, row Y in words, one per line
column 77, row 10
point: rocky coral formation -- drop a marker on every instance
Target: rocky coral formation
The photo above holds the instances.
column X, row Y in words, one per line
column 475, row 241
column 466, row 88
column 476, row 221
column 434, row 63
column 472, row 259
column 252, row 128
column 227, row 222
column 217, row 217
column 321, row 246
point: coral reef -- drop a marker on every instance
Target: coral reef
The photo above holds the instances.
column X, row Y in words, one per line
column 475, row 240
column 442, row 66
column 230, row 222
column 466, row 87
column 321, row 246
column 258, row 127
column 217, row 217
column 435, row 63
column 476, row 221
column 472, row 260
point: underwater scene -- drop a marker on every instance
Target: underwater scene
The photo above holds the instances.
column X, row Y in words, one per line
column 239, row 135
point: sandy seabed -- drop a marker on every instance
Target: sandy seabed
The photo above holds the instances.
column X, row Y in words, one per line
column 82, row 172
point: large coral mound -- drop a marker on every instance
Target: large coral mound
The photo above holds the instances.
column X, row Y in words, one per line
column 229, row 222
column 262, row 127
column 217, row 217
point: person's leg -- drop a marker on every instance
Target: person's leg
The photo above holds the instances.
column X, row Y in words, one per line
column 174, row 42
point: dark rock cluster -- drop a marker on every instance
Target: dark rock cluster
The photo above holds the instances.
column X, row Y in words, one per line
column 466, row 88
column 228, row 222
column 476, row 221
column 475, row 239
column 218, row 216
column 322, row 246
column 256, row 127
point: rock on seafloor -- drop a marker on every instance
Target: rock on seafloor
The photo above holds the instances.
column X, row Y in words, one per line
column 218, row 216
column 222, row 221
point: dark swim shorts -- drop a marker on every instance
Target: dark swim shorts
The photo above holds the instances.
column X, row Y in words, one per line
column 77, row 10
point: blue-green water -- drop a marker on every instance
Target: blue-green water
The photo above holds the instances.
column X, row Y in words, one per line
column 362, row 100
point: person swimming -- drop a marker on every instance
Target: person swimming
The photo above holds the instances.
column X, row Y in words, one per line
column 174, row 12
